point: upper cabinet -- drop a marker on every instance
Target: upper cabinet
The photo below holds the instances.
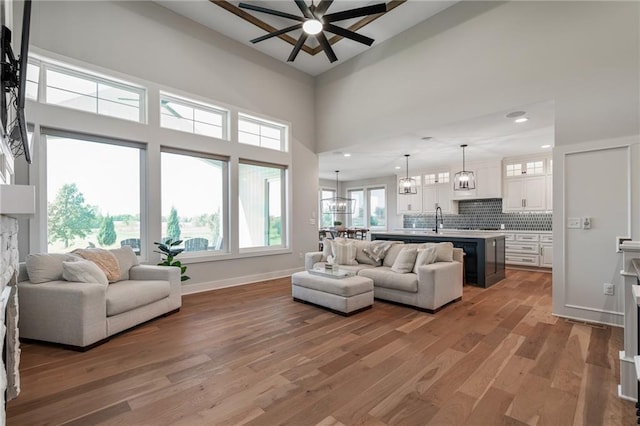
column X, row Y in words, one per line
column 526, row 182
column 488, row 181
column 437, row 189
column 410, row 203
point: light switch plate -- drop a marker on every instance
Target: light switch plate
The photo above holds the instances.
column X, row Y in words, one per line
column 574, row 223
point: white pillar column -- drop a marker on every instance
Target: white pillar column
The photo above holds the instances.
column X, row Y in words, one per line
column 628, row 387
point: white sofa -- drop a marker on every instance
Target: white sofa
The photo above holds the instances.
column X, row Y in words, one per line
column 81, row 315
column 431, row 288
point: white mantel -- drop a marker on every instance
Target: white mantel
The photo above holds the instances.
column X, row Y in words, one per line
column 628, row 387
column 17, row 200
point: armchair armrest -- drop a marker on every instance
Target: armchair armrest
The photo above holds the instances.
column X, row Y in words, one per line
column 164, row 273
column 63, row 312
column 311, row 259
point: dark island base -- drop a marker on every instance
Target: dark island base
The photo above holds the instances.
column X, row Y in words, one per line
column 483, row 260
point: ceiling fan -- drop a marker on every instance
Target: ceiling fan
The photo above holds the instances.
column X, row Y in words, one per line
column 315, row 20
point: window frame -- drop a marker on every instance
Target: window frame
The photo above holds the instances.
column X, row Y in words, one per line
column 97, row 78
column 196, row 105
column 367, row 205
column 42, row 134
column 282, row 127
column 284, row 207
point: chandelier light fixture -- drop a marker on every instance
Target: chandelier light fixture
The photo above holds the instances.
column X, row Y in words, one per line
column 338, row 205
column 407, row 185
column 464, row 180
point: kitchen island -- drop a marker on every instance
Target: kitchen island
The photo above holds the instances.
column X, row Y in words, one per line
column 484, row 251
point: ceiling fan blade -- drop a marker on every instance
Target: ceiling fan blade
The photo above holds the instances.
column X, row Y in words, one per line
column 355, row 13
column 270, row 11
column 297, row 47
column 349, row 34
column 276, row 33
column 304, row 8
column 326, row 47
column 322, row 7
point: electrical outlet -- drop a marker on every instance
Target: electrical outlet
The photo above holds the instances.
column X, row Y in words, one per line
column 586, row 223
column 608, row 289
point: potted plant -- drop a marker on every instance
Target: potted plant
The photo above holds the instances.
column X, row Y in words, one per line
column 168, row 252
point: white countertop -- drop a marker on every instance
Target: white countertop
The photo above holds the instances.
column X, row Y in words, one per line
column 445, row 233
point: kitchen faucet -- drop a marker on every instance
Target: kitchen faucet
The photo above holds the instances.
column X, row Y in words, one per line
column 441, row 220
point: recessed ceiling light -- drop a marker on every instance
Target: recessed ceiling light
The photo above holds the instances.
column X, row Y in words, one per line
column 515, row 114
column 347, row 154
column 521, row 120
column 397, row 167
column 545, row 146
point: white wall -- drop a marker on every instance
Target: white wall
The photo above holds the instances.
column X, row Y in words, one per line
column 477, row 58
column 152, row 45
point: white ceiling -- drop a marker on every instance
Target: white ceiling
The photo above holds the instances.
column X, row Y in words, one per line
column 491, row 136
column 390, row 24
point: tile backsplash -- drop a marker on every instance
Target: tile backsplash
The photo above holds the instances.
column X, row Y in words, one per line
column 482, row 214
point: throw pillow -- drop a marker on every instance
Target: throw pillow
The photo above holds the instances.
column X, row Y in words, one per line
column 126, row 259
column 426, row 256
column 104, row 259
column 377, row 250
column 444, row 251
column 362, row 257
column 83, row 271
column 326, row 248
column 43, row 267
column 343, row 254
column 405, row 261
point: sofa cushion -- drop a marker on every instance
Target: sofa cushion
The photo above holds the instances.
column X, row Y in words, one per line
column 343, row 253
column 406, row 260
column 106, row 260
column 384, row 277
column 124, row 296
column 83, row 271
column 45, row 267
column 126, row 258
column 426, row 256
column 377, row 250
column 444, row 251
column 394, row 251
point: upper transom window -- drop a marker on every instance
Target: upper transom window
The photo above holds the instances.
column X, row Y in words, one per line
column 92, row 93
column 259, row 132
column 193, row 117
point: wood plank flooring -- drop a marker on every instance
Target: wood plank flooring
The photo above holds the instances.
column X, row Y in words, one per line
column 250, row 355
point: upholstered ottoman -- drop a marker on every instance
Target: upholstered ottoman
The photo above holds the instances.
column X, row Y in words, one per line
column 345, row 296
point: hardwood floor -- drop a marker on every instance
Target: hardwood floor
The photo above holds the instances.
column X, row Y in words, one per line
column 250, row 355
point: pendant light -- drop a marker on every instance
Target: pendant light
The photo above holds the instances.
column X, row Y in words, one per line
column 407, row 185
column 338, row 205
column 464, row 180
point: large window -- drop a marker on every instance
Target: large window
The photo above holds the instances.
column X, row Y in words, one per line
column 258, row 132
column 326, row 219
column 193, row 117
column 193, row 194
column 93, row 193
column 261, row 205
column 85, row 91
column 370, row 208
column 359, row 214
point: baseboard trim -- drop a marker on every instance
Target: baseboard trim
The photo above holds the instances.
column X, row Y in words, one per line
column 237, row 281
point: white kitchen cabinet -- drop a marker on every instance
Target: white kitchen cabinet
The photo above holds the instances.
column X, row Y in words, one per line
column 549, row 192
column 488, row 182
column 529, row 249
column 437, row 190
column 410, row 203
column 525, row 194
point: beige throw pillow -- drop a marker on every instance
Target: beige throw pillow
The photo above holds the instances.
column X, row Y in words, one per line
column 444, row 251
column 43, row 267
column 83, row 271
column 104, row 259
column 426, row 256
column 343, row 254
column 405, row 261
